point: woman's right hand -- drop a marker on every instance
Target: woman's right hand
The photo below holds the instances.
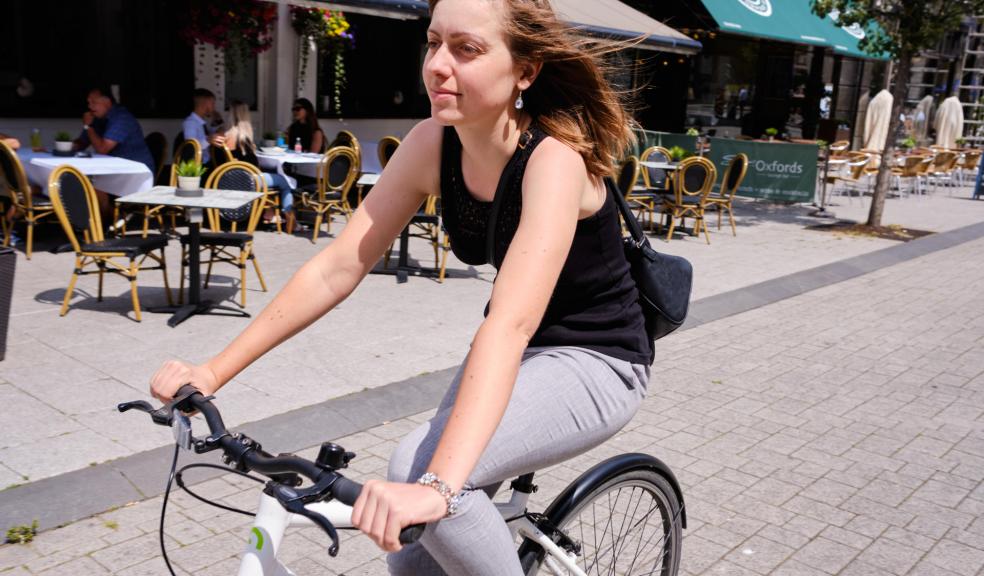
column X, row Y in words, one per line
column 174, row 374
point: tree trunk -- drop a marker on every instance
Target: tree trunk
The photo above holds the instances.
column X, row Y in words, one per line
column 884, row 178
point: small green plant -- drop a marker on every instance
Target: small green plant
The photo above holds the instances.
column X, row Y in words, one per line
column 22, row 534
column 111, row 524
column 678, row 153
column 822, row 144
column 771, row 132
column 693, row 132
column 269, row 135
column 63, row 137
column 961, row 141
column 909, row 143
column 190, row 168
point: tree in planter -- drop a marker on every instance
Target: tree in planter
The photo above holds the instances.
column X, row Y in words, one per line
column 906, row 27
column 331, row 33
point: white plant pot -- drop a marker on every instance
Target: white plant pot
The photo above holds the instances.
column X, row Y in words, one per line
column 63, row 146
column 189, row 182
column 269, row 143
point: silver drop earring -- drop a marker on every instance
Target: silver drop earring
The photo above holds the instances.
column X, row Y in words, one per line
column 519, row 101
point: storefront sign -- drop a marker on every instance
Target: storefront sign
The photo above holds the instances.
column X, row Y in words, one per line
column 777, row 171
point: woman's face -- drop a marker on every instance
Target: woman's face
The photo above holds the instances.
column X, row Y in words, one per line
column 469, row 72
column 300, row 114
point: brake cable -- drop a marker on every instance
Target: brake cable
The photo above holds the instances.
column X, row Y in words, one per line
column 180, row 480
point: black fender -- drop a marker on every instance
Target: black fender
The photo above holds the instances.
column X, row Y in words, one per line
column 601, row 473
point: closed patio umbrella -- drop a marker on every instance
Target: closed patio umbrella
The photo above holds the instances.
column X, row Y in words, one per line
column 859, row 121
column 920, row 124
column 876, row 121
column 949, row 122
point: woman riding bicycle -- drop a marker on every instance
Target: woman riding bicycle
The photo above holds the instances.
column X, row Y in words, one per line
column 560, row 362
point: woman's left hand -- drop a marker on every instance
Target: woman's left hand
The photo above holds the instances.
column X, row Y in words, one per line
column 385, row 508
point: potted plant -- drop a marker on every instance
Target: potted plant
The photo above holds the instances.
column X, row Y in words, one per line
column 269, row 139
column 908, row 144
column 678, row 153
column 63, row 142
column 771, row 133
column 693, row 132
column 960, row 142
column 189, row 178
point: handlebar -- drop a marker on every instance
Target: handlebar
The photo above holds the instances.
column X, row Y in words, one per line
column 246, row 455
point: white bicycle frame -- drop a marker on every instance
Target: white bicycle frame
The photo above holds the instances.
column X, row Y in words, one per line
column 272, row 521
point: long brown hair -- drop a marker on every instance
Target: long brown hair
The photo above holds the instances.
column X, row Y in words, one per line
column 571, row 98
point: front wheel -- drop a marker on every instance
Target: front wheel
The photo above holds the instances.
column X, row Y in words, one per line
column 630, row 524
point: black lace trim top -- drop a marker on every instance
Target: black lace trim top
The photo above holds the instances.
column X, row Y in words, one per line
column 595, row 304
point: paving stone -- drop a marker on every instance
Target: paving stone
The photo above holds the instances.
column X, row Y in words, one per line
column 825, row 554
column 956, row 557
column 890, row 556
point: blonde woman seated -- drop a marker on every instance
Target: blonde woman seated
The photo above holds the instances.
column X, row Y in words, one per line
column 239, row 140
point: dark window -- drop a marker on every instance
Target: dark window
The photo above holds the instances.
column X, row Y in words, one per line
column 53, row 53
column 382, row 71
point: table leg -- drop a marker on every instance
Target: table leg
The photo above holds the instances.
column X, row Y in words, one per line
column 403, row 268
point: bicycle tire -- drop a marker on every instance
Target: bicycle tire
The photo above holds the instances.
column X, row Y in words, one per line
column 661, row 557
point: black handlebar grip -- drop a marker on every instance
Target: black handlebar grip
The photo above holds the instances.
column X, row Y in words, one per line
column 347, row 492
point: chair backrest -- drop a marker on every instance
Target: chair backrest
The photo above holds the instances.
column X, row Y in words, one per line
column 178, row 139
column 628, row 175
column 944, row 160
column 694, row 177
column 157, row 143
column 237, row 175
column 925, row 165
column 337, row 172
column 839, row 147
column 734, row 174
column 971, row 159
column 346, row 138
column 654, row 177
column 187, row 150
column 912, row 165
column 220, row 155
column 855, row 167
column 74, row 200
column 385, row 149
column 12, row 171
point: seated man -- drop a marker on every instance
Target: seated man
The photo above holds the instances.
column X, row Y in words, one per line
column 110, row 129
column 199, row 125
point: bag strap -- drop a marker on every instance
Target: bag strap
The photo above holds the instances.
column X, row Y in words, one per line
column 507, row 173
column 635, row 229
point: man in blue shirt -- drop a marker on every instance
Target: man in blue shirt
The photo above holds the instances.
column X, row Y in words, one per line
column 110, row 129
column 197, row 126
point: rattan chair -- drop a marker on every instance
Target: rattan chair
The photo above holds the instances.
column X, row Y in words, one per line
column 852, row 175
column 733, row 176
column 346, row 138
column 240, row 223
column 910, row 169
column 968, row 165
column 385, row 149
column 74, row 201
column 943, row 167
column 337, row 173
column 636, row 196
column 692, row 183
column 33, row 208
column 219, row 155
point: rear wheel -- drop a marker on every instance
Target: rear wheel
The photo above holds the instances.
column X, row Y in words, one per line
column 626, row 526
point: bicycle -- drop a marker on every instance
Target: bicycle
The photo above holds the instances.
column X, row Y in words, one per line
column 570, row 538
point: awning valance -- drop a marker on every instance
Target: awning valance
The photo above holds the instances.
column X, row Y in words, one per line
column 601, row 18
column 786, row 21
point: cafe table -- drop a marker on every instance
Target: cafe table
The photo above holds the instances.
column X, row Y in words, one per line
column 110, row 174
column 212, row 198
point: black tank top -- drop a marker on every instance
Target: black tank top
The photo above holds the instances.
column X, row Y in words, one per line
column 595, row 304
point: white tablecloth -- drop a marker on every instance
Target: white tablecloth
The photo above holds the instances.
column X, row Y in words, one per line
column 305, row 163
column 112, row 175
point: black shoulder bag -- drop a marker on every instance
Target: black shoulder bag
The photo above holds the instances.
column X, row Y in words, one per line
column 663, row 281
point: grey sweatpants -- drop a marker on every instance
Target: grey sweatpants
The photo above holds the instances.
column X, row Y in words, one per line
column 565, row 401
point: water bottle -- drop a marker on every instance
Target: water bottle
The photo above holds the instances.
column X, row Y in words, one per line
column 281, row 143
column 297, row 146
column 35, row 139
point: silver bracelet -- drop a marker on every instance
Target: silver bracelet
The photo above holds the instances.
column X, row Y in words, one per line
column 450, row 496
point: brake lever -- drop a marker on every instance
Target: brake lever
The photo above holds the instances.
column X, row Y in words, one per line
column 161, row 416
column 294, row 502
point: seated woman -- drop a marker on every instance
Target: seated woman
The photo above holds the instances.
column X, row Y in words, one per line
column 305, row 128
column 239, row 140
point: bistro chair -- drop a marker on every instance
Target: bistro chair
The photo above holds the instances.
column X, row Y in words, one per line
column 942, row 167
column 346, row 138
column 157, row 143
column 852, row 175
column 337, row 173
column 240, row 225
column 385, row 149
column 839, row 147
column 692, row 184
column 426, row 224
column 733, row 176
column 636, row 196
column 655, row 179
column 32, row 208
column 911, row 169
column 968, row 165
column 219, row 155
column 74, row 201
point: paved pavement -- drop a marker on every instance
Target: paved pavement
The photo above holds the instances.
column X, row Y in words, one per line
column 836, row 432
column 63, row 375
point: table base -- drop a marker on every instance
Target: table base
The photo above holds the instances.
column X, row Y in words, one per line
column 822, row 213
column 182, row 313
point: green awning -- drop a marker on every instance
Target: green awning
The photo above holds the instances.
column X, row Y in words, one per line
column 786, row 21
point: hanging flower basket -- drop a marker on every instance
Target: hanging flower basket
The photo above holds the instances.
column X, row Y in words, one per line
column 330, row 32
column 241, row 28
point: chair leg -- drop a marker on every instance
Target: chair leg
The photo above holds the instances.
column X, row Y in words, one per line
column 669, row 235
column 731, row 218
column 133, row 288
column 30, row 237
column 290, row 221
column 386, row 257
column 444, row 262
column 317, row 227
column 702, row 222
column 719, row 211
column 242, row 279
column 208, row 271
column 71, row 286
column 181, row 278
column 167, row 287
column 102, row 274
column 259, row 275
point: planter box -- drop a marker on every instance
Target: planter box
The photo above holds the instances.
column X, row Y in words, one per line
column 8, row 261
